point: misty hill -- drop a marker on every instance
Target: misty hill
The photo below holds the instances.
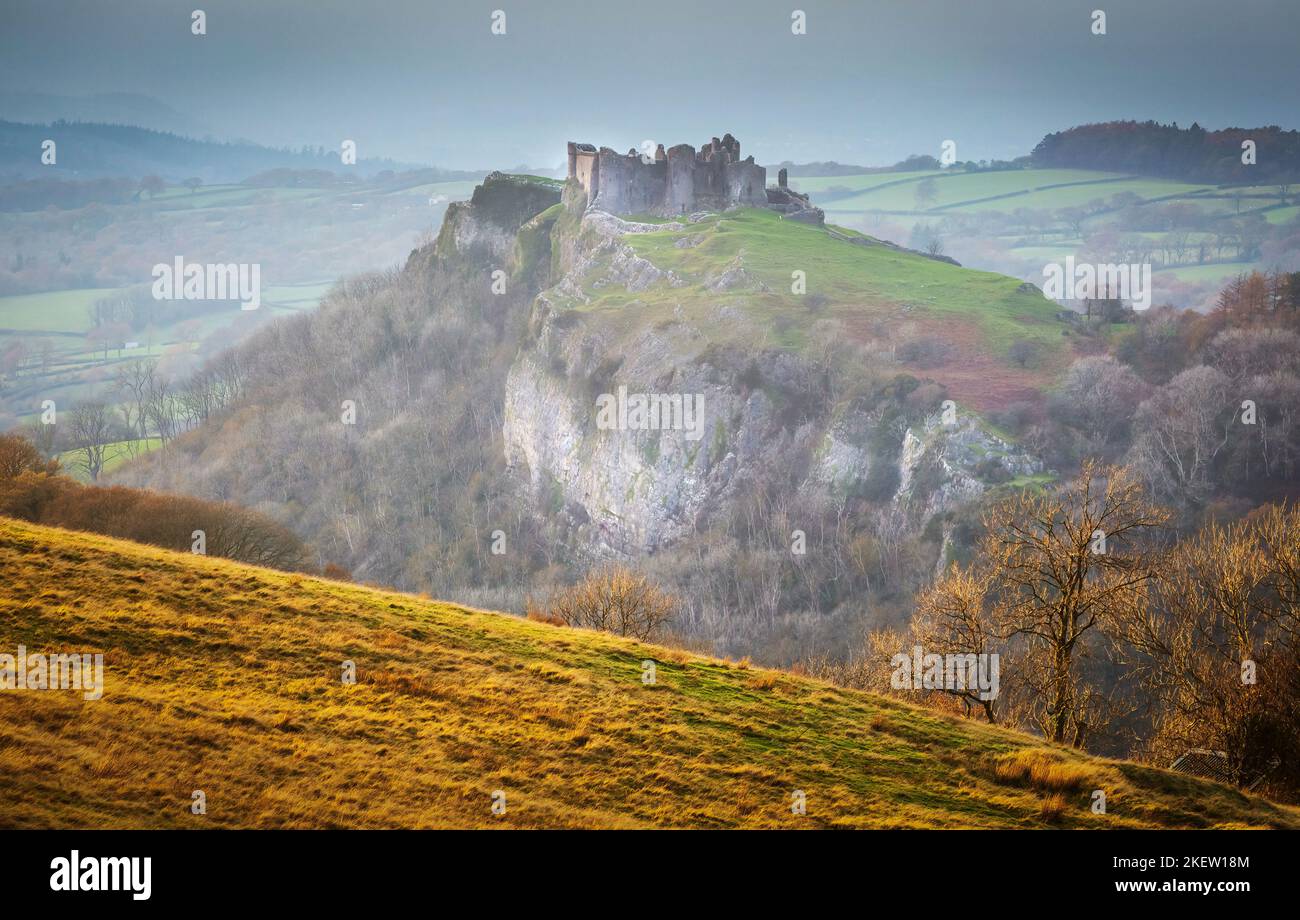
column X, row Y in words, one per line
column 227, row 679
column 475, row 411
column 90, row 150
column 101, row 108
column 1154, row 149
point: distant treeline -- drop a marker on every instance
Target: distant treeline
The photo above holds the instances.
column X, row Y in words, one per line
column 70, row 194
column 1152, row 149
column 88, row 150
column 284, row 177
column 917, row 162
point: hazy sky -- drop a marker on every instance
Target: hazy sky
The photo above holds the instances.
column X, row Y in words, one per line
column 870, row 82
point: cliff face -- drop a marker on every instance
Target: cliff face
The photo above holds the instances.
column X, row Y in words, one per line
column 486, row 230
column 621, row 319
column 636, row 490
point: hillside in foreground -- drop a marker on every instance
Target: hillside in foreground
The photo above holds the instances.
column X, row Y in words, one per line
column 226, row 678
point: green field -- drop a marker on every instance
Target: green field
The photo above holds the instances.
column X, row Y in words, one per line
column 57, row 311
column 862, row 182
column 1219, row 272
column 1282, row 215
column 74, row 370
column 1013, row 220
column 1035, row 189
column 1006, row 190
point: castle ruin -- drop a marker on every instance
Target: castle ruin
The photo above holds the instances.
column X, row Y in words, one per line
column 681, row 180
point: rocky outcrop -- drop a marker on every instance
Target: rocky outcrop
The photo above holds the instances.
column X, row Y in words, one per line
column 596, row 256
column 484, row 231
column 793, row 205
column 630, row 491
column 766, row 412
column 942, row 465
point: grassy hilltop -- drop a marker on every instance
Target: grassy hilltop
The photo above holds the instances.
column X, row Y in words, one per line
column 226, row 678
column 732, row 280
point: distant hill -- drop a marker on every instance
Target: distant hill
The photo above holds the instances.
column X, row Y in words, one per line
column 1168, row 151
column 227, row 678
column 91, row 150
column 102, row 108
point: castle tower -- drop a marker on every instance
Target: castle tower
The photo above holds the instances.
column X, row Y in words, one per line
column 677, row 180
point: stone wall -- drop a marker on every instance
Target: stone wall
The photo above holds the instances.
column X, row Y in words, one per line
column 630, row 186
column 583, row 167
column 677, row 181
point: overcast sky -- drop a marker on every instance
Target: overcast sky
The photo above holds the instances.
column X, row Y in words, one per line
column 870, row 82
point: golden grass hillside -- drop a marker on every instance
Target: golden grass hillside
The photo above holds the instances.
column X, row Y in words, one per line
column 226, row 678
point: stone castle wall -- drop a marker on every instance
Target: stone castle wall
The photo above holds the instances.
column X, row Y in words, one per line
column 676, row 181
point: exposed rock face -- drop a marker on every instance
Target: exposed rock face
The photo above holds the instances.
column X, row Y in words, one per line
column 814, row 216
column 793, row 205
column 599, row 240
column 454, row 378
column 844, row 458
column 485, row 229
column 629, row 491
column 943, row 465
column 636, row 491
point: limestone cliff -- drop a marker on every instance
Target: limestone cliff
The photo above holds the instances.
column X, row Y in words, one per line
column 615, row 317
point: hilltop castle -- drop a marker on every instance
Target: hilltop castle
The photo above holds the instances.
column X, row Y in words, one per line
column 681, row 180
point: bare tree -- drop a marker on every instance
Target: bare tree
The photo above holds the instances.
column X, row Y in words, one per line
column 616, row 600
column 91, row 429
column 955, row 615
column 133, row 383
column 1062, row 566
column 1181, row 432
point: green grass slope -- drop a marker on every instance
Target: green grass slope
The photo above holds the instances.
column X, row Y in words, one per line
column 226, row 678
column 876, row 293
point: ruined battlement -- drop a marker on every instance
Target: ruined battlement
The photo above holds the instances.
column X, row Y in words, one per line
column 677, row 181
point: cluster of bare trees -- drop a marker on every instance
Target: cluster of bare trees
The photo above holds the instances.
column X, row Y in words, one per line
column 1052, row 575
column 1110, row 639
column 1231, row 424
column 614, row 599
column 148, row 405
column 1259, row 297
column 1204, row 408
column 1217, row 648
column 153, row 405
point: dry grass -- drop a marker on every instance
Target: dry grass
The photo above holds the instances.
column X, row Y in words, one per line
column 1045, row 770
column 226, row 678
